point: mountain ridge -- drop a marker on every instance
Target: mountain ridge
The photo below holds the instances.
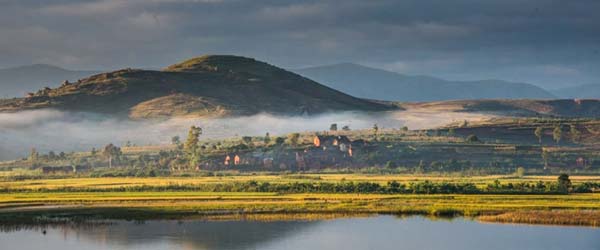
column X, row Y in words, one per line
column 17, row 81
column 367, row 82
column 581, row 91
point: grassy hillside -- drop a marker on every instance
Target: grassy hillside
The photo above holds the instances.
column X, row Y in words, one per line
column 521, row 107
column 207, row 85
column 379, row 84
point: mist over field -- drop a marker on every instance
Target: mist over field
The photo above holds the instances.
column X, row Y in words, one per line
column 62, row 131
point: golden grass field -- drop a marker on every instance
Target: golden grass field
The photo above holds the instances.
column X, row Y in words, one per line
column 99, row 183
column 574, row 209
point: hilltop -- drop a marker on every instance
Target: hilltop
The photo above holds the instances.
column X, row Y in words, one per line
column 366, row 82
column 211, row 85
column 17, row 81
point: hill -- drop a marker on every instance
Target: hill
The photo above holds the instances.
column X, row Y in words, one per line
column 581, row 91
column 17, row 81
column 211, row 85
column 522, row 107
column 365, row 82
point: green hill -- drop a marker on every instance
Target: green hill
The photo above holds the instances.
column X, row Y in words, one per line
column 211, row 85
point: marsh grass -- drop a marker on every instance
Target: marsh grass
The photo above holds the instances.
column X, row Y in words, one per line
column 553, row 217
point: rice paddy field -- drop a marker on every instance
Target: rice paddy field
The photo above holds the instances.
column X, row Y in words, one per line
column 108, row 183
column 44, row 197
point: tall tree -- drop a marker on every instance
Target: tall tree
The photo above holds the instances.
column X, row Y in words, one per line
column 191, row 145
column 175, row 140
column 575, row 134
column 333, row 127
column 267, row 139
column 564, row 183
column 539, row 131
column 33, row 157
column 557, row 134
column 111, row 152
column 375, row 131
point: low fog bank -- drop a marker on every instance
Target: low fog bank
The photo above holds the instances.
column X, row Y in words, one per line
column 61, row 131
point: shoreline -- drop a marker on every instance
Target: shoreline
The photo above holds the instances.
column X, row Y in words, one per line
column 44, row 214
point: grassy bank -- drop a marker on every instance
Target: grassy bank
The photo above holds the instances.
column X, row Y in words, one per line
column 30, row 203
column 553, row 217
column 148, row 205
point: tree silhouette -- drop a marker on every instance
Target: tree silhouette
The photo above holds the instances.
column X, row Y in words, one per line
column 538, row 133
column 111, row 152
column 557, row 134
column 191, row 145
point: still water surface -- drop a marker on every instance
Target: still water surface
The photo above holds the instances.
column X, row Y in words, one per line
column 380, row 232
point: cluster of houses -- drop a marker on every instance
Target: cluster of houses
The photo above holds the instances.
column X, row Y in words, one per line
column 325, row 151
column 64, row 169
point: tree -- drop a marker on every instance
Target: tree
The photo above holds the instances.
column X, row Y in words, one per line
column 33, row 157
column 175, row 140
column 375, row 131
column 191, row 145
column 564, row 183
column 557, row 134
column 575, row 134
column 520, row 172
column 539, row 131
column 404, row 129
column 545, row 157
column 247, row 140
column 451, row 131
column 111, row 152
column 279, row 140
column 464, row 124
column 292, row 139
column 472, row 138
column 333, row 127
column 51, row 155
column 346, row 128
column 267, row 139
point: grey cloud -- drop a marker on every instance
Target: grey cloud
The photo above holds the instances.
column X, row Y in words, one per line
column 550, row 42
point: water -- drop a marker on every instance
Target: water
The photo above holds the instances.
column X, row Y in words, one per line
column 380, row 232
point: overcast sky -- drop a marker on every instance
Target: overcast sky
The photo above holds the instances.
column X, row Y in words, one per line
column 549, row 43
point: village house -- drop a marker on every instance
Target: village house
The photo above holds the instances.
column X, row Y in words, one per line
column 236, row 160
column 328, row 142
column 64, row 169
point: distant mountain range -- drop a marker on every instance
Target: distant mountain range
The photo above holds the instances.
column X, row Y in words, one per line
column 212, row 85
column 18, row 81
column 366, row 82
column 216, row 85
column 353, row 79
column 581, row 91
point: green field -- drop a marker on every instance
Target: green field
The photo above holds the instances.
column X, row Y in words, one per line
column 44, row 198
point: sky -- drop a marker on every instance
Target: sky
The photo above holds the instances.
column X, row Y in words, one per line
column 551, row 43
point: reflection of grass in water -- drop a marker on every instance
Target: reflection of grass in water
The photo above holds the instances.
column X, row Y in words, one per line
column 44, row 223
column 554, row 217
column 268, row 217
